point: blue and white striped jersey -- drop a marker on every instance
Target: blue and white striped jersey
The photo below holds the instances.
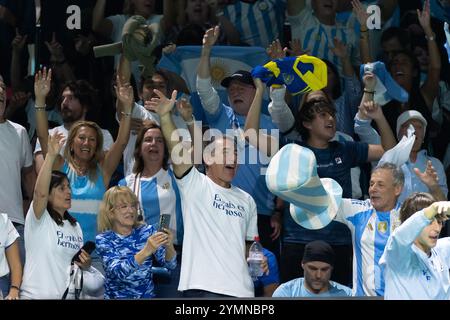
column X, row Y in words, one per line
column 258, row 23
column 370, row 231
column 318, row 38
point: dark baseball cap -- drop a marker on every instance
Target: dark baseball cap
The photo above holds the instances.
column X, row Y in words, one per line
column 241, row 76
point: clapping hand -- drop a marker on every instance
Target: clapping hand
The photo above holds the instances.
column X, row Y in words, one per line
column 429, row 177
column 55, row 143
column 161, row 104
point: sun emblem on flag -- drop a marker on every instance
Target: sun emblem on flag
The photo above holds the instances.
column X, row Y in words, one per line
column 219, row 70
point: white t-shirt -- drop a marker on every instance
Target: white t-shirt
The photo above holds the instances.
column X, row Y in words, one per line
column 139, row 112
column 107, row 139
column 49, row 251
column 15, row 154
column 217, row 222
column 8, row 234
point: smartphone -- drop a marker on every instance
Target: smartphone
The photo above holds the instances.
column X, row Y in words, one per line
column 89, row 247
column 164, row 221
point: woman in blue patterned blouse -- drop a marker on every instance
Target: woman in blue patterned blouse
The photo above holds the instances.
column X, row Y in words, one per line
column 127, row 245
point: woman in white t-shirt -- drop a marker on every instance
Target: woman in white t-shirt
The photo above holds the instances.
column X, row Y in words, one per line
column 10, row 265
column 52, row 235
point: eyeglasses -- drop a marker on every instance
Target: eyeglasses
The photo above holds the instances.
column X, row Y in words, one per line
column 124, row 207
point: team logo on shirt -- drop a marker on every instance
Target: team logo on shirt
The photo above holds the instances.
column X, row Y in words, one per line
column 287, row 78
column 338, row 160
column 382, row 226
column 263, row 6
column 166, row 186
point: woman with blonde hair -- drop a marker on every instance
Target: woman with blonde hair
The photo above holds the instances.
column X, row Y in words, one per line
column 127, row 245
column 88, row 168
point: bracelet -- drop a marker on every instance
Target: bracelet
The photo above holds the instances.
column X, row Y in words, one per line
column 430, row 38
column 190, row 122
column 367, row 30
column 14, row 287
column 126, row 114
column 367, row 91
column 39, row 108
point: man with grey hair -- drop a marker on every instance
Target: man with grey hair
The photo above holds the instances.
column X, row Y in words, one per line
column 220, row 220
column 371, row 222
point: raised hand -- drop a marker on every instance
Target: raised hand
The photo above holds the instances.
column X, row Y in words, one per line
column 210, row 37
column 339, row 49
column 372, row 110
column 429, row 177
column 360, row 13
column 185, row 109
column 369, row 81
column 56, row 49
column 83, row 44
column 169, row 49
column 259, row 85
column 424, row 16
column 124, row 93
column 296, row 48
column 18, row 42
column 42, row 83
column 275, row 50
column 55, row 143
column 161, row 104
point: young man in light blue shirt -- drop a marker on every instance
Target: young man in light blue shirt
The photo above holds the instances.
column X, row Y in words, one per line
column 416, row 262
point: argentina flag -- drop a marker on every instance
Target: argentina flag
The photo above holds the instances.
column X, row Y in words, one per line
column 225, row 60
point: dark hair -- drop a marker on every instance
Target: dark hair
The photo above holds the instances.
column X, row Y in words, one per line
column 336, row 92
column 56, row 180
column 415, row 202
column 138, row 161
column 148, row 81
column 190, row 35
column 400, row 34
column 415, row 63
column 308, row 109
column 83, row 91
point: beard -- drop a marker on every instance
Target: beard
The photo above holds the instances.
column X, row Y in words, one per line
column 69, row 116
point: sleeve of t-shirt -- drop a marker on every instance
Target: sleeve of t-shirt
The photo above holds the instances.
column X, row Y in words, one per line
column 283, row 290
column 350, row 207
column 11, row 232
column 191, row 180
column 107, row 140
column 33, row 222
column 252, row 225
column 398, row 248
column 27, row 155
